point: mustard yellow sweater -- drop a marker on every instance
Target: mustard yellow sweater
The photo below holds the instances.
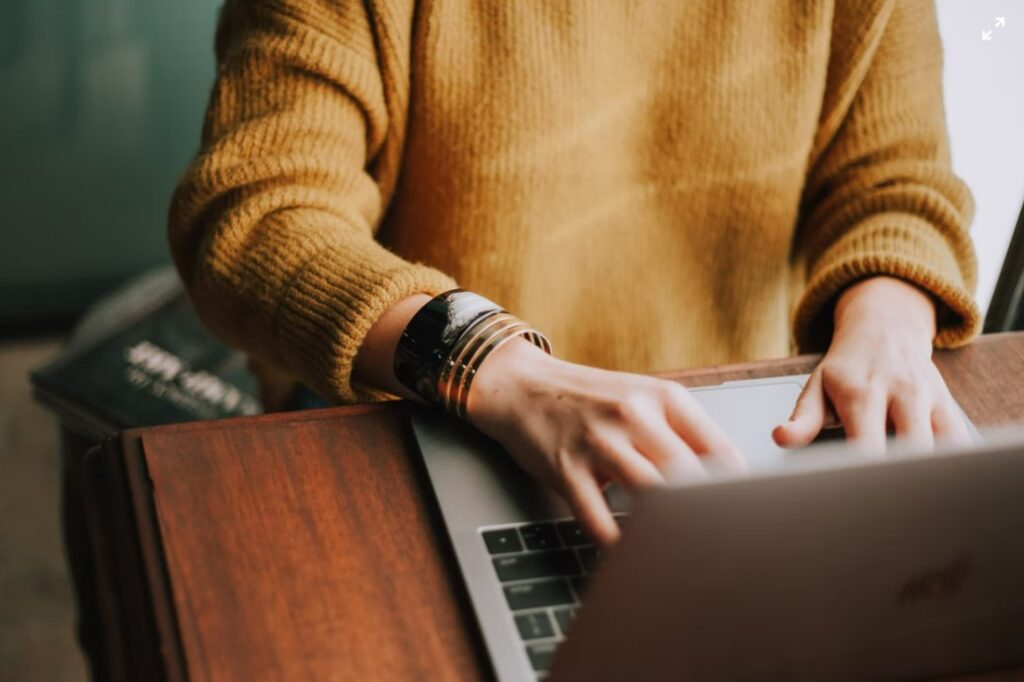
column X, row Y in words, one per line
column 654, row 184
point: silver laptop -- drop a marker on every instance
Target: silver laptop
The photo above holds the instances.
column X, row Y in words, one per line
column 778, row 554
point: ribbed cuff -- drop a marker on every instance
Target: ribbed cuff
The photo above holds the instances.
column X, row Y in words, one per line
column 330, row 306
column 898, row 245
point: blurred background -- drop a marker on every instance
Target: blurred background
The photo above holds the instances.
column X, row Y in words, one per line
column 102, row 109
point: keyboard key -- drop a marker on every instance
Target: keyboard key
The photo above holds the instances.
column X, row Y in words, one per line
column 572, row 533
column 579, row 586
column 549, row 564
column 538, row 595
column 541, row 655
column 589, row 557
column 502, row 540
column 564, row 618
column 535, row 625
column 540, row 536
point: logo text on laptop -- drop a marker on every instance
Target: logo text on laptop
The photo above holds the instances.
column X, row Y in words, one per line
column 936, row 583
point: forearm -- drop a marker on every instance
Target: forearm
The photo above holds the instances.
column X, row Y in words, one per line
column 374, row 365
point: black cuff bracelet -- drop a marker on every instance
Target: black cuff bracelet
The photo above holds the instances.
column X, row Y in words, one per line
column 431, row 335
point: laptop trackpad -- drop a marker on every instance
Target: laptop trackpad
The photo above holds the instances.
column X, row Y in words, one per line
column 747, row 411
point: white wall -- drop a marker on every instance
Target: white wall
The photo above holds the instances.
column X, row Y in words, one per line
column 984, row 92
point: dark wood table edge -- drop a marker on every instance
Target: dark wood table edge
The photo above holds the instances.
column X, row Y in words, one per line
column 132, row 633
column 154, row 561
column 141, row 634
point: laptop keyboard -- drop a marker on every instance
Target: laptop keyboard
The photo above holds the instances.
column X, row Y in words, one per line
column 543, row 569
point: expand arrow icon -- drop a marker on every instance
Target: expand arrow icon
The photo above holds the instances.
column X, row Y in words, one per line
column 1000, row 22
column 986, row 35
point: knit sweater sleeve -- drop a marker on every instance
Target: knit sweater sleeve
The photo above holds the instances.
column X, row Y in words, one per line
column 881, row 197
column 272, row 227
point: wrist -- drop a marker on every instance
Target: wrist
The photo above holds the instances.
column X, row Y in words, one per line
column 504, row 378
column 887, row 303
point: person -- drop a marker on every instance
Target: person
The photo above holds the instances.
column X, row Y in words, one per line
column 652, row 185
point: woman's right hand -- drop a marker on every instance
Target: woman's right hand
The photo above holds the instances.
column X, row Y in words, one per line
column 577, row 428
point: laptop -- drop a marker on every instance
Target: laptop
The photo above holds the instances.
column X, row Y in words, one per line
column 661, row 609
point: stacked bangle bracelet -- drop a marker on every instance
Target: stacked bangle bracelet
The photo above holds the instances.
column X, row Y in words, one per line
column 447, row 341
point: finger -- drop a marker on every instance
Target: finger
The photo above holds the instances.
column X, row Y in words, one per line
column 663, row 447
column 947, row 421
column 912, row 421
column 687, row 419
column 590, row 508
column 808, row 416
column 622, row 463
column 714, row 463
column 863, row 415
column 948, row 424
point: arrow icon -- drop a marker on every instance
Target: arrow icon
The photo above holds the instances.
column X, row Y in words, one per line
column 1000, row 22
column 986, row 35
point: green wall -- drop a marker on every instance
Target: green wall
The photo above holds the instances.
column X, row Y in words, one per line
column 101, row 107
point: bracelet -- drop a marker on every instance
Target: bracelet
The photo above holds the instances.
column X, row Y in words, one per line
column 430, row 335
column 447, row 341
column 475, row 345
column 478, row 342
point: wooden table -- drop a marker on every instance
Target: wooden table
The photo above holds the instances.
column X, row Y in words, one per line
column 306, row 545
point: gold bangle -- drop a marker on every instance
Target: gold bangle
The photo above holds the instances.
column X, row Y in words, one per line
column 471, row 349
column 466, row 347
column 486, row 348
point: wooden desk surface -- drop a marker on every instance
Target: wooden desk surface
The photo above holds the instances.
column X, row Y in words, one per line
column 305, row 545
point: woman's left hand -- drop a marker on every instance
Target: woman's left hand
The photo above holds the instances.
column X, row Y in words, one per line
column 878, row 373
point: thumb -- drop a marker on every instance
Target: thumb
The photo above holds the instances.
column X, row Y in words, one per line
column 808, row 416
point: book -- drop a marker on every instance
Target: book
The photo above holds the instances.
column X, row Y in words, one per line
column 142, row 357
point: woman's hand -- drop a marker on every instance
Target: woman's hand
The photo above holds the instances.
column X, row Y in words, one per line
column 878, row 372
column 576, row 428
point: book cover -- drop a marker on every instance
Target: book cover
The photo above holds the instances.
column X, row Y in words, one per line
column 140, row 358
